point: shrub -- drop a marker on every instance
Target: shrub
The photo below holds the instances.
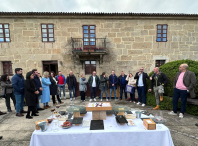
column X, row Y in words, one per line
column 171, row 68
column 167, row 104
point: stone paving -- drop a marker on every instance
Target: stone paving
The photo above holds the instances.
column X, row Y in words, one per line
column 17, row 131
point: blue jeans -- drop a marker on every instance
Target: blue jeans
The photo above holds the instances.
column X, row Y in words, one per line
column 179, row 93
column 93, row 91
column 39, row 97
column 121, row 91
column 61, row 87
column 113, row 88
column 70, row 92
column 105, row 92
column 45, row 103
column 141, row 92
column 19, row 102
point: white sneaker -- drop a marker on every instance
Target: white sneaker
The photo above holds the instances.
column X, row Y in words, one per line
column 74, row 99
column 172, row 113
column 143, row 104
column 101, row 100
column 60, row 97
column 90, row 100
column 64, row 97
column 106, row 99
column 94, row 99
column 71, row 99
column 138, row 103
column 181, row 115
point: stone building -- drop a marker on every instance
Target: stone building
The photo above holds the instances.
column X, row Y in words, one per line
column 83, row 42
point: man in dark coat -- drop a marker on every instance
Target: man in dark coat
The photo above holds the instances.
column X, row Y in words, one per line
column 141, row 85
column 39, row 87
column 122, row 82
column 113, row 81
column 93, row 82
column 71, row 82
column 158, row 81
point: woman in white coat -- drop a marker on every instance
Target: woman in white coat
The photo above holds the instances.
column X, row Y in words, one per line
column 131, row 82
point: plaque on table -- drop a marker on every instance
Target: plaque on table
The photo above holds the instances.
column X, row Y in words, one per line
column 97, row 125
column 121, row 119
column 77, row 120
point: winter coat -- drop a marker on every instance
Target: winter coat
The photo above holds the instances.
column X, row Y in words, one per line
column 63, row 79
column 131, row 80
column 103, row 82
column 145, row 76
column 82, row 85
column 111, row 81
column 69, row 82
column 46, row 90
column 30, row 97
column 90, row 81
column 53, row 87
column 120, row 81
column 18, row 84
column 6, row 87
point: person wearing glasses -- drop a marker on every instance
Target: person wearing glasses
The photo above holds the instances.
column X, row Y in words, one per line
column 141, row 85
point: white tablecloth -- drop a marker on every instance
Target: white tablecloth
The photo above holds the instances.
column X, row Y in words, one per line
column 112, row 135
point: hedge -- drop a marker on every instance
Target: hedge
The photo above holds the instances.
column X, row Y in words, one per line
column 167, row 104
column 171, row 68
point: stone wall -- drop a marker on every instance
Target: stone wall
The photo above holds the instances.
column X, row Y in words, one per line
column 131, row 44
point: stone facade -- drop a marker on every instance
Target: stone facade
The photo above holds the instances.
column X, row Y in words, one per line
column 131, row 43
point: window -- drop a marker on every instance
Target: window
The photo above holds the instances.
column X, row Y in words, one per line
column 7, row 68
column 159, row 63
column 47, row 32
column 89, row 37
column 162, row 32
column 4, row 33
column 90, row 66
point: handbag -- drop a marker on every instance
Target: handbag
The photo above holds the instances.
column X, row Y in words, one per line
column 129, row 89
column 161, row 89
column 3, row 95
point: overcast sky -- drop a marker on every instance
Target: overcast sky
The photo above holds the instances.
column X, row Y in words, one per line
column 136, row 6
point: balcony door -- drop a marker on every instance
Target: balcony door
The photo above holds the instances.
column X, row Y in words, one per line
column 89, row 36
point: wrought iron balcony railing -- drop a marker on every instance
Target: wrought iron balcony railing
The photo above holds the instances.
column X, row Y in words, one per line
column 82, row 45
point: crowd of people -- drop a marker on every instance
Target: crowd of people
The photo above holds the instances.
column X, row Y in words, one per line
column 36, row 89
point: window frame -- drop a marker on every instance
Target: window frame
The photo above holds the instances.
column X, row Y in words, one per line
column 47, row 32
column 159, row 62
column 4, row 32
column 90, row 67
column 89, row 46
column 10, row 71
column 162, row 32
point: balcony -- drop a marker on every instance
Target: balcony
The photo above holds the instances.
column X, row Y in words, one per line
column 91, row 52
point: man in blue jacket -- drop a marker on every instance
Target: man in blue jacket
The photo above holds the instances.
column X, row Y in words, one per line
column 113, row 81
column 61, row 83
column 18, row 85
column 37, row 82
column 122, row 82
